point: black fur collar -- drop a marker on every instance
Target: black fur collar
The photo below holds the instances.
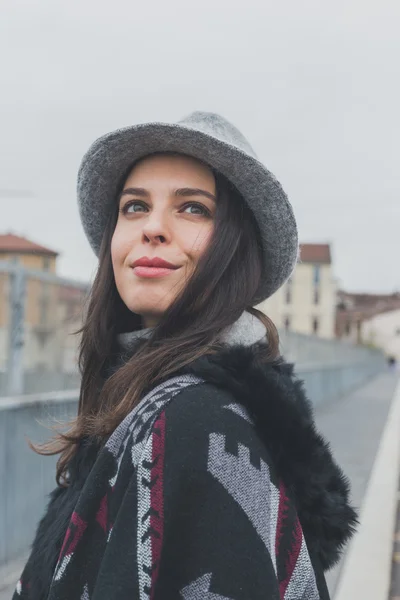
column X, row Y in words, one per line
column 283, row 416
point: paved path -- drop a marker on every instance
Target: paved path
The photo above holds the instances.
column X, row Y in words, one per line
column 8, row 579
column 353, row 425
column 7, row 592
column 395, row 587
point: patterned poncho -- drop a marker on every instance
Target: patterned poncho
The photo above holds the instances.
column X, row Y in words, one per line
column 187, row 501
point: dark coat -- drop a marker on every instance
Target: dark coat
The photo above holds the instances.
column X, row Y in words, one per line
column 218, row 486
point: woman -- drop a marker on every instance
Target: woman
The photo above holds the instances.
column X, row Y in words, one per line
column 194, row 469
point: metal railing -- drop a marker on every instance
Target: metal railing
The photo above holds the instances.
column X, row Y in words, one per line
column 304, row 349
column 36, row 382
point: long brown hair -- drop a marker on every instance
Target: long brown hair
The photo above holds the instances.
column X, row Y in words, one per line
column 222, row 286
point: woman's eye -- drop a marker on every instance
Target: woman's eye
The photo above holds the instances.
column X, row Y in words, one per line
column 133, row 207
column 196, row 209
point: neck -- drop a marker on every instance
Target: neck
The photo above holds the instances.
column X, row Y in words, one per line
column 149, row 322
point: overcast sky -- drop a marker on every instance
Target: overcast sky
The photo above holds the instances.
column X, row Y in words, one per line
column 314, row 85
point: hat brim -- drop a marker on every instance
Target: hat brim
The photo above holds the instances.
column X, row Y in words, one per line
column 109, row 159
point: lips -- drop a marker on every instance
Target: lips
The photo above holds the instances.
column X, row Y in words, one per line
column 156, row 262
column 150, row 268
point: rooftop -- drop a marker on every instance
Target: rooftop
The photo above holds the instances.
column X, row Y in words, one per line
column 315, row 253
column 16, row 244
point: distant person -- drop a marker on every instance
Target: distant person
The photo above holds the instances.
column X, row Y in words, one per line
column 392, row 363
column 194, row 469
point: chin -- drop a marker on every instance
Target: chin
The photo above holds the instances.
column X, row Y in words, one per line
column 148, row 307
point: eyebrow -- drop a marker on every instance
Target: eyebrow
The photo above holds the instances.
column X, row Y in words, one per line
column 194, row 192
column 180, row 192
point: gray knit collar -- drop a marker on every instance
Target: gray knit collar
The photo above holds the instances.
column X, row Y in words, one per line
column 246, row 331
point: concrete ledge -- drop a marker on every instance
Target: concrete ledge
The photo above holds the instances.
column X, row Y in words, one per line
column 367, row 570
column 15, row 402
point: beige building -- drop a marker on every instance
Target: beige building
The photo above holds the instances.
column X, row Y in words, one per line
column 353, row 309
column 383, row 331
column 307, row 302
column 52, row 311
column 31, row 256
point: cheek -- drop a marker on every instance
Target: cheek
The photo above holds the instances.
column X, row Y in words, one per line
column 121, row 244
column 199, row 241
column 115, row 251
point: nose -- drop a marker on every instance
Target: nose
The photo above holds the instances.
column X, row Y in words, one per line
column 155, row 228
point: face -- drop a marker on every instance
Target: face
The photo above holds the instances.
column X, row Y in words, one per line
column 165, row 222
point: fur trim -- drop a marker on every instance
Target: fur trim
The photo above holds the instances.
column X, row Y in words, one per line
column 283, row 416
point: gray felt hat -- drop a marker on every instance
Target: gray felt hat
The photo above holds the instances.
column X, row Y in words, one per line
column 215, row 141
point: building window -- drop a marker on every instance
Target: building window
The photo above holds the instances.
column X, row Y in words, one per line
column 43, row 310
column 288, row 292
column 46, row 263
column 317, row 274
column 316, row 295
column 347, row 328
column 44, row 302
column 287, row 323
column 315, row 325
